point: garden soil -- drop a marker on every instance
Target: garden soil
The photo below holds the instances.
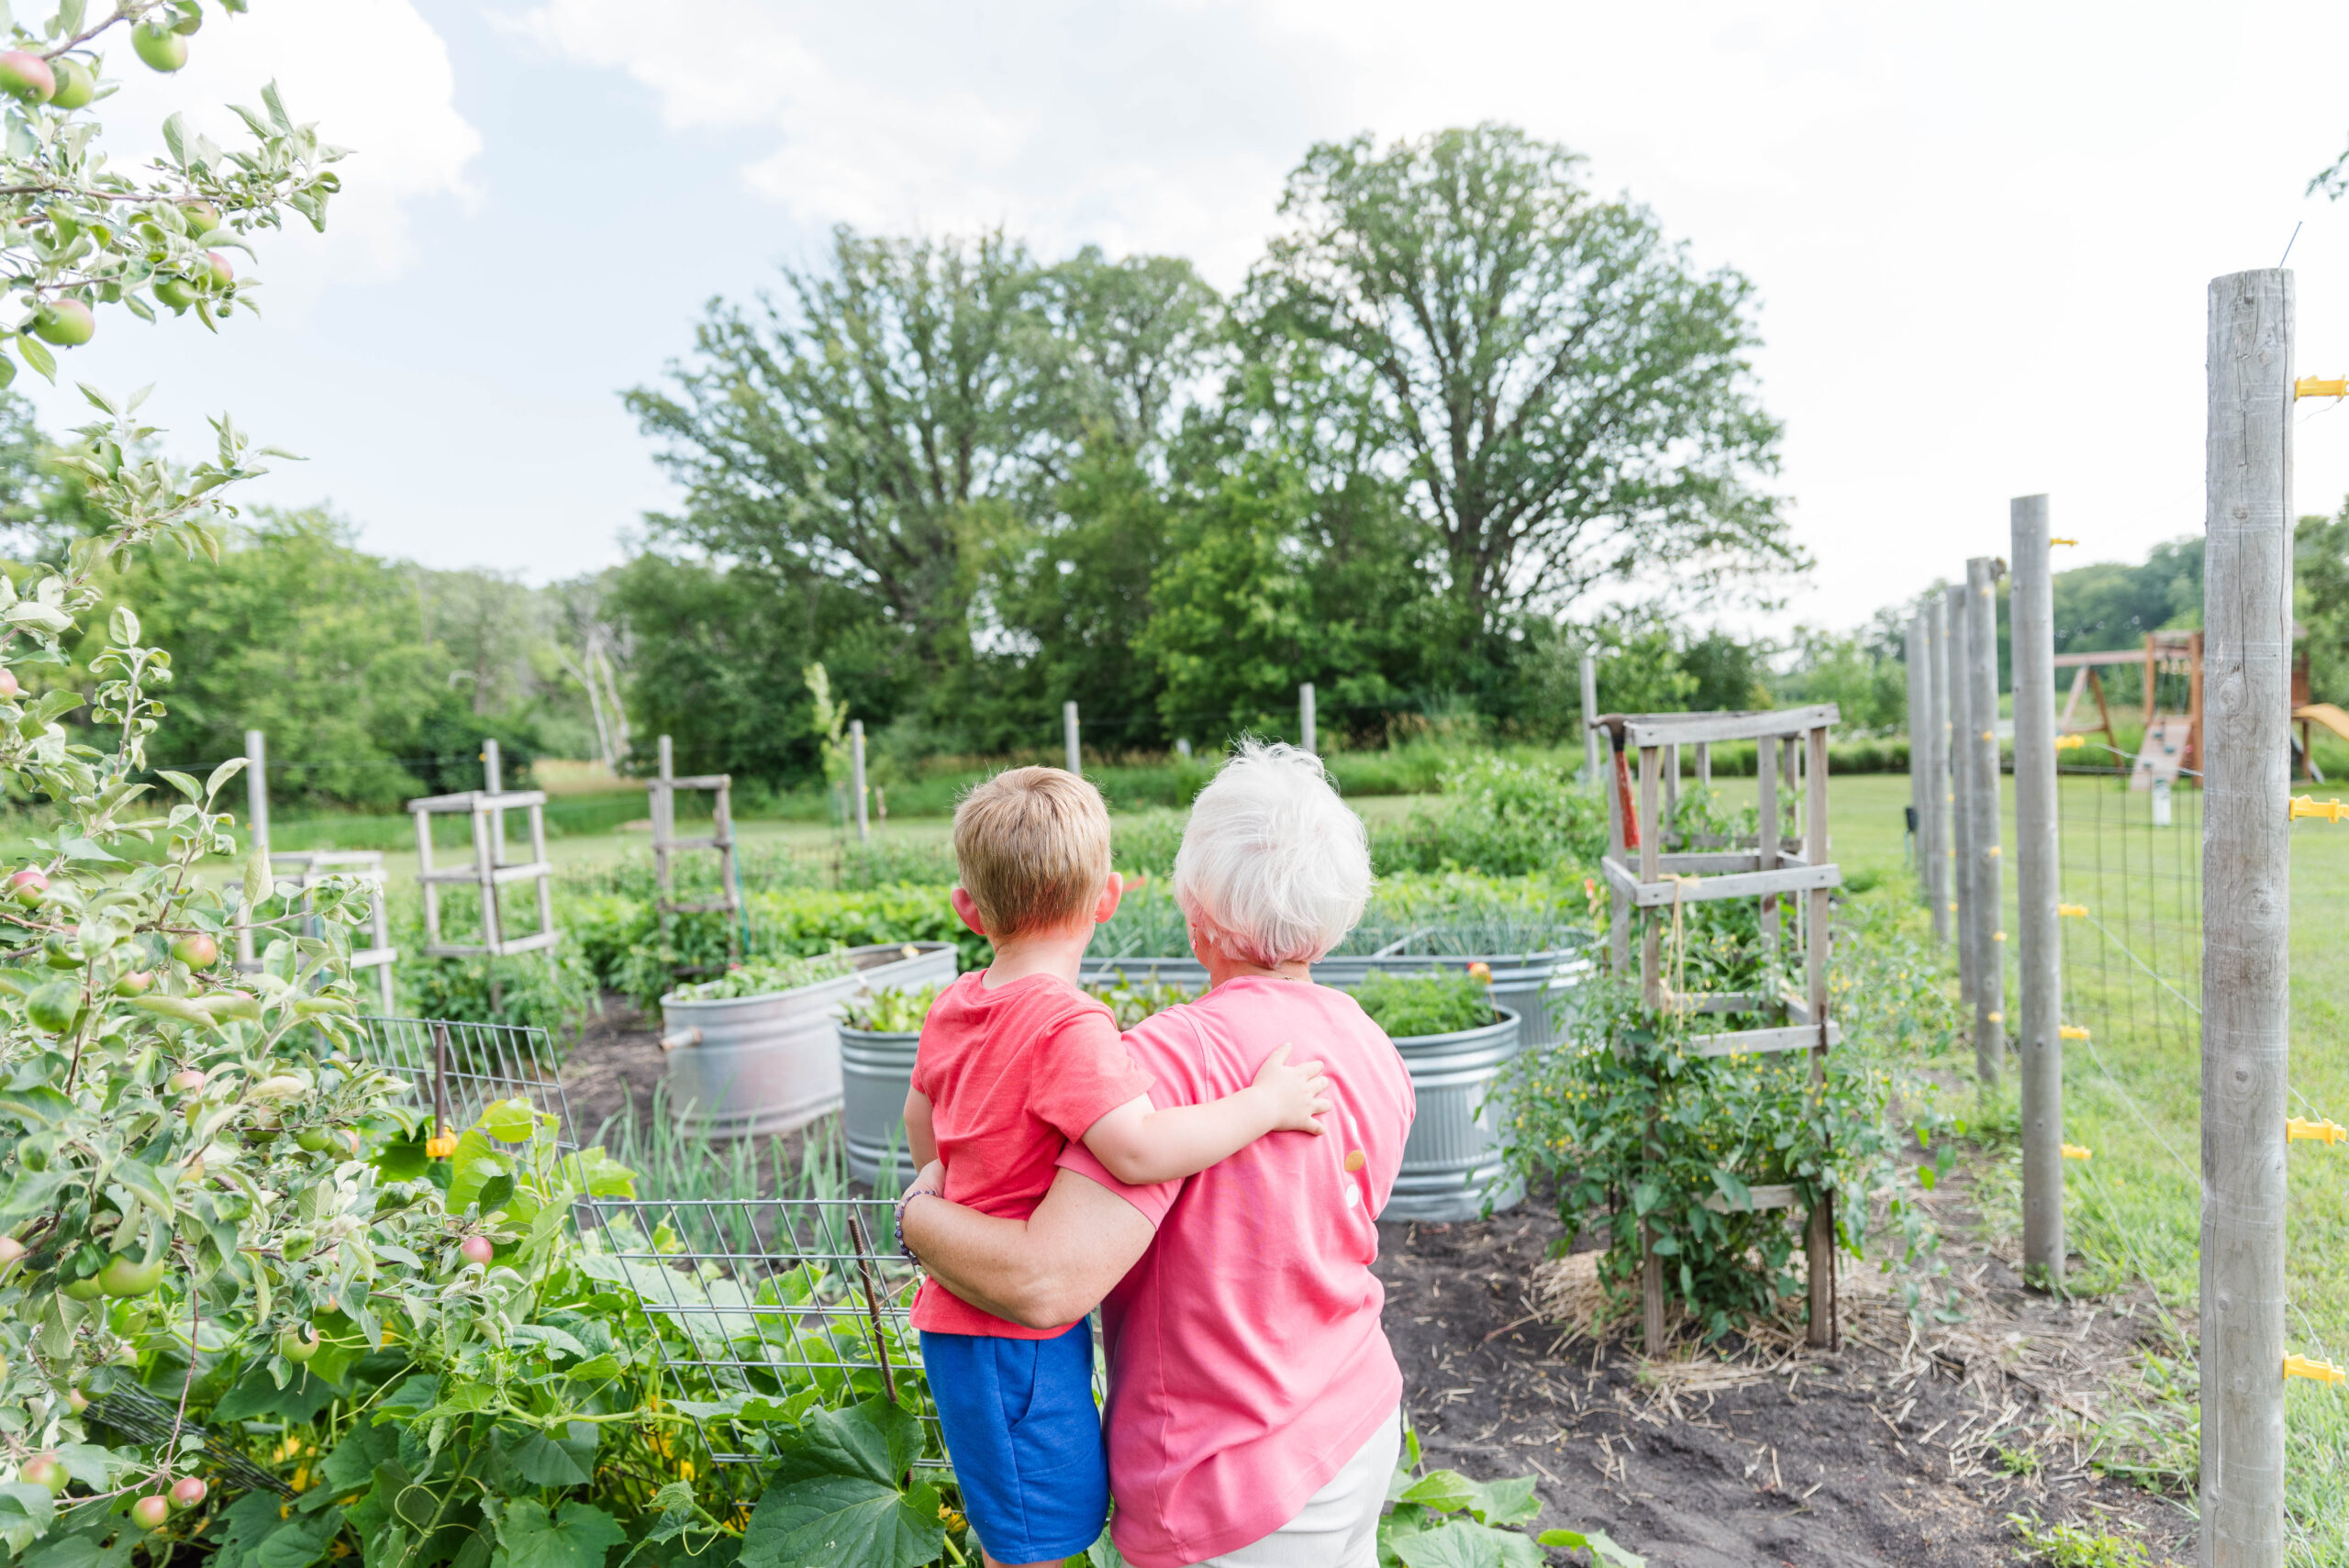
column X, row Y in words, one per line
column 1898, row 1449
column 1882, row 1452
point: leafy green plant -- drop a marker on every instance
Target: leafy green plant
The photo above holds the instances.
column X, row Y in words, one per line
column 2070, row 1546
column 1670, row 1144
column 2019, row 1461
column 767, row 976
column 1502, row 816
column 1407, row 1006
column 890, row 1012
column 1442, row 1520
column 1132, row 1002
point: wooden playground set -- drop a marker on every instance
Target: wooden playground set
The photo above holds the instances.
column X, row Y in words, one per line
column 2171, row 747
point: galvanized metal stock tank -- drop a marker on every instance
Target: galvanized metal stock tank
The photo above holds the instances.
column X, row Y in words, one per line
column 766, row 1064
column 876, row 1070
column 1452, row 1164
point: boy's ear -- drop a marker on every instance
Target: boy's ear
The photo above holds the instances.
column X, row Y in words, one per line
column 969, row 911
column 1111, row 891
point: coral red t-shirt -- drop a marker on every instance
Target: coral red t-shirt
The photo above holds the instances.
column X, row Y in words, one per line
column 1014, row 1074
column 1247, row 1364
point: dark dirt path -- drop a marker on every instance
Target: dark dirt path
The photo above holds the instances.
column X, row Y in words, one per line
column 1781, row 1456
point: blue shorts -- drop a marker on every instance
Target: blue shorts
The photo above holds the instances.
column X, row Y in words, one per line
column 1025, row 1439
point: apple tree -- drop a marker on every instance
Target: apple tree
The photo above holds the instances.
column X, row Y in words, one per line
column 182, row 1182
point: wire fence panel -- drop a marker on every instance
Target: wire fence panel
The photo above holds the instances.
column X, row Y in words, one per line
column 765, row 1306
column 2133, row 893
column 461, row 1068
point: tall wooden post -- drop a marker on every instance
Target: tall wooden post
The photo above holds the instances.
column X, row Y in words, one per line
column 257, row 815
column 855, row 777
column 1961, row 814
column 1981, row 777
column 1068, row 738
column 1652, row 988
column 1590, row 713
column 1819, row 1237
column 1937, row 844
column 2039, row 954
column 2246, row 915
column 1913, row 663
column 1305, row 717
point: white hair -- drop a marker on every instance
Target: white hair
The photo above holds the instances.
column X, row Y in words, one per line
column 1272, row 862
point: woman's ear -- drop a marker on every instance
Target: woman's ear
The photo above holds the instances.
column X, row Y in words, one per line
column 969, row 911
column 1111, row 891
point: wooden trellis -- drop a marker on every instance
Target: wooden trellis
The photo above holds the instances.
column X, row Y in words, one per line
column 489, row 872
column 1787, row 862
column 665, row 842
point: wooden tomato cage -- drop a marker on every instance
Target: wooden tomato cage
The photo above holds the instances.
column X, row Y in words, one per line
column 1651, row 872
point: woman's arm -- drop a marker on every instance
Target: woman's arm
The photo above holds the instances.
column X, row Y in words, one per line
column 1044, row 1272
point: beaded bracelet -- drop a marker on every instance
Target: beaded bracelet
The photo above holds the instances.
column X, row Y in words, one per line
column 903, row 1246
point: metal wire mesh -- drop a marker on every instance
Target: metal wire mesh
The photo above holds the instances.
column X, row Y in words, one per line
column 755, row 1301
column 463, row 1067
column 2132, row 863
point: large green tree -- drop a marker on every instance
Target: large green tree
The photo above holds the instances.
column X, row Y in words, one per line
column 1570, row 397
column 868, row 427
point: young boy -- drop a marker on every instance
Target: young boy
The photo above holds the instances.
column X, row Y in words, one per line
column 1014, row 1062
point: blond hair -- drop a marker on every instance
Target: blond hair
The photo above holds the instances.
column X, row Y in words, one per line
column 1032, row 845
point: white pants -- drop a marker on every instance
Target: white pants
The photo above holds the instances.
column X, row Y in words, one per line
column 1337, row 1526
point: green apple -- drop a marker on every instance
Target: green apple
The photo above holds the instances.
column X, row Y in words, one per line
column 85, row 1289
column 177, row 293
column 53, row 1007
column 123, row 1277
column 298, row 1347
column 223, row 274
column 76, row 84
column 197, row 950
column 68, row 322
column 151, row 1513
column 161, row 48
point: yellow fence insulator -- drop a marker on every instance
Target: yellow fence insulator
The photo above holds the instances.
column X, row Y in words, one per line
column 2313, row 1369
column 1997, row 936
column 2054, row 541
column 2070, row 742
column 2071, row 1031
column 2318, row 386
column 2308, row 805
column 1995, row 1017
column 2076, row 911
column 2299, row 1129
column 2074, row 1151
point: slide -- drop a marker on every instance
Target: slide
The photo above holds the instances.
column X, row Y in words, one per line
column 2326, row 714
column 2163, row 752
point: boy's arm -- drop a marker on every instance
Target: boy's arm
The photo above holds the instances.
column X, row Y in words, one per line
column 921, row 1139
column 1143, row 1145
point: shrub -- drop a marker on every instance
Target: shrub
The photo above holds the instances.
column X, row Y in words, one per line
column 765, row 978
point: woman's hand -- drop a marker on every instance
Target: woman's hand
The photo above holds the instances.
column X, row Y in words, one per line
column 1296, row 1093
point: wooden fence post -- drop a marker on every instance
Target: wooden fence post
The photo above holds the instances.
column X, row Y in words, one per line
column 1914, row 663
column 1982, row 776
column 1305, row 717
column 855, row 777
column 1939, row 884
column 1961, row 814
column 1590, row 713
column 2039, row 953
column 2246, row 915
column 1068, row 737
column 257, row 816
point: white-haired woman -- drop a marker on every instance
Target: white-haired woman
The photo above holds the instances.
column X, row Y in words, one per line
column 1254, row 1405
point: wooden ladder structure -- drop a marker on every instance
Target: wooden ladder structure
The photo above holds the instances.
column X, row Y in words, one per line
column 1786, row 865
column 663, row 788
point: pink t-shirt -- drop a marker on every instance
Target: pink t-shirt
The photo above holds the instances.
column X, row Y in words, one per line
column 1246, row 1360
column 1013, row 1074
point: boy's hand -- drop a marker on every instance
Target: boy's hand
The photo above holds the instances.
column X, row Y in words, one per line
column 1298, row 1092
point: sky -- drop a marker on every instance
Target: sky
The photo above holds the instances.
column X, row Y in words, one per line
column 1981, row 234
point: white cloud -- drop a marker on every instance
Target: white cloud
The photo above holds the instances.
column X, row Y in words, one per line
column 375, row 78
